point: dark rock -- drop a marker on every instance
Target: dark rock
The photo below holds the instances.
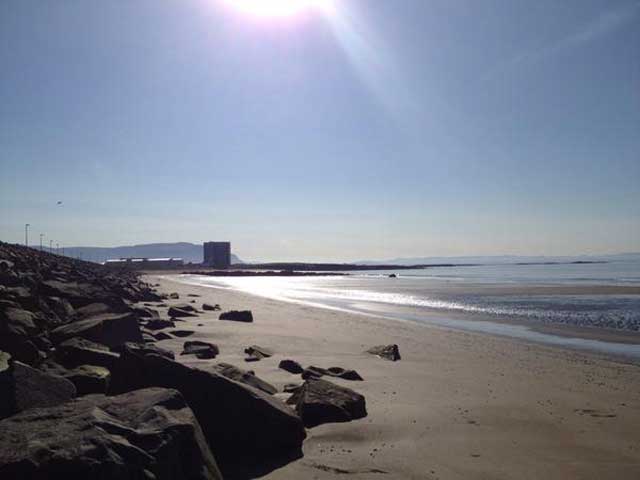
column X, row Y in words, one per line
column 201, row 350
column 159, row 323
column 174, row 296
column 146, row 349
column 206, row 306
column 245, row 427
column 162, row 336
column 23, row 387
column 25, row 351
column 337, row 372
column 146, row 434
column 291, row 366
column 95, row 309
column 148, row 338
column 78, row 351
column 17, row 321
column 181, row 333
column 109, row 329
column 242, row 376
column 259, row 352
column 142, row 312
column 193, row 295
column 318, row 401
column 388, row 352
column 86, row 378
column 186, row 307
column 180, row 313
column 237, row 316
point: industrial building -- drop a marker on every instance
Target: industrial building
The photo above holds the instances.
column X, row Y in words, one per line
column 217, row 254
column 146, row 263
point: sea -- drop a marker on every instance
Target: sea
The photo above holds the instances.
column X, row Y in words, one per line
column 523, row 301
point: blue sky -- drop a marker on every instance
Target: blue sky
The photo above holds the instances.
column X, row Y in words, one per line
column 385, row 129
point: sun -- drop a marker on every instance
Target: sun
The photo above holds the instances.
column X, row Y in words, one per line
column 280, row 8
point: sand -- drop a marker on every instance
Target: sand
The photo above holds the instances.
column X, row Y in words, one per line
column 458, row 405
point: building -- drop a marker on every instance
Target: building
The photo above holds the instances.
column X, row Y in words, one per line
column 145, row 263
column 217, row 254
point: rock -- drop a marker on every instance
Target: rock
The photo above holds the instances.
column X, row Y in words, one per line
column 78, row 351
column 317, row 372
column 162, row 336
column 146, row 349
column 206, row 306
column 388, row 352
column 244, row 426
column 180, row 313
column 145, row 312
column 25, row 351
column 18, row 322
column 258, row 352
column 181, row 333
column 318, row 401
column 95, row 309
column 193, row 295
column 237, row 316
column 174, row 296
column 291, row 387
column 146, row 434
column 23, row 387
column 200, row 349
column 393, row 275
column 148, row 337
column 291, row 366
column 186, row 307
column 242, row 376
column 159, row 323
column 109, row 329
column 86, row 378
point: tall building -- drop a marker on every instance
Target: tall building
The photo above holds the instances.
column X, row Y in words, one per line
column 217, row 254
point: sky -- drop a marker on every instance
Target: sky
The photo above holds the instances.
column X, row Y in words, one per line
column 366, row 129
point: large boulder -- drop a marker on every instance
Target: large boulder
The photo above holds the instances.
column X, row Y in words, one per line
column 210, row 308
column 23, row 387
column 387, row 352
column 78, row 351
column 86, row 378
column 243, row 376
column 146, row 349
column 256, row 353
column 146, row 434
column 245, row 427
column 108, row 329
column 237, row 316
column 159, row 323
column 318, row 401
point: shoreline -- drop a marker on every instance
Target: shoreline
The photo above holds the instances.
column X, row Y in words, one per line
column 458, row 405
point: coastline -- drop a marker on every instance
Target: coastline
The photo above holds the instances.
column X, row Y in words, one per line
column 458, row 405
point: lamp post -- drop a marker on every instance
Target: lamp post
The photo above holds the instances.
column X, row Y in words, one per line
column 26, row 234
column 41, row 235
column 50, row 246
column 57, row 249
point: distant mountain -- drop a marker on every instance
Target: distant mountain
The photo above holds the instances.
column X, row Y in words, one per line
column 189, row 252
column 503, row 259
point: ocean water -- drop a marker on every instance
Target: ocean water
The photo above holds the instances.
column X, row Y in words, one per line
column 506, row 300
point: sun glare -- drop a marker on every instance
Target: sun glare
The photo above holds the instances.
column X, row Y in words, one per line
column 280, row 8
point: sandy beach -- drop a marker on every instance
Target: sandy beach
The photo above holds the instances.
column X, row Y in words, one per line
column 458, row 405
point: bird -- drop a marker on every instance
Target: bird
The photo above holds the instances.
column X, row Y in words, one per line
column 59, row 202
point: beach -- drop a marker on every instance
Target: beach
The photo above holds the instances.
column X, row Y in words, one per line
column 458, row 405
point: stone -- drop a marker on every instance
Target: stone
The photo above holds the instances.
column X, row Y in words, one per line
column 387, row 352
column 181, row 333
column 159, row 323
column 147, row 349
column 23, row 387
column 245, row 427
column 78, row 351
column 143, row 312
column 201, row 350
column 162, row 336
column 259, row 352
column 319, row 401
column 243, row 376
column 206, row 306
column 193, row 295
column 146, row 434
column 337, row 372
column 237, row 316
column 109, row 329
column 86, row 378
column 180, row 313
column 18, row 322
column 291, row 366
column 186, row 307
column 291, row 387
column 174, row 296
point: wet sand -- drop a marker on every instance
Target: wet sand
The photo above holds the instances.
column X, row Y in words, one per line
column 458, row 405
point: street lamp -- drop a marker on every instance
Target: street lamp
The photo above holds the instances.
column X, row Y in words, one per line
column 41, row 235
column 26, row 234
column 50, row 246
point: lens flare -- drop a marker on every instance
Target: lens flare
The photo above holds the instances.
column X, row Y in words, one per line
column 280, row 8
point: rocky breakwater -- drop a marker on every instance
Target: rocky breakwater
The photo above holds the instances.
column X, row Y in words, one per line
column 84, row 392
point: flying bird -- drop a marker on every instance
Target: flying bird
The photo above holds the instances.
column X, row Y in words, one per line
column 59, row 202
